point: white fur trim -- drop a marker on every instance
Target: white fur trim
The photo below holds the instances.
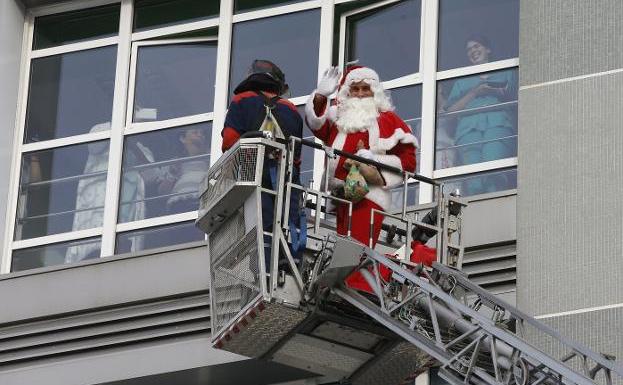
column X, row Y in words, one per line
column 399, row 136
column 391, row 179
column 380, row 196
column 338, row 144
column 360, row 74
column 314, row 122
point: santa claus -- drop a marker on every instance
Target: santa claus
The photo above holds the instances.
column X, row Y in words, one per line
column 361, row 122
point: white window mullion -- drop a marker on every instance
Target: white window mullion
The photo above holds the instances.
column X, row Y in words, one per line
column 5, row 261
column 430, row 10
column 325, row 57
column 113, row 178
column 221, row 86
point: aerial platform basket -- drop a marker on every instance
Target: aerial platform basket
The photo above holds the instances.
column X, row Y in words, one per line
column 260, row 311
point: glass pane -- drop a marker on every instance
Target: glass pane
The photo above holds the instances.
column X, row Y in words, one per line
column 387, row 39
column 413, row 196
column 408, row 103
column 476, row 119
column 249, row 5
column 76, row 26
column 154, row 237
column 174, row 80
column 485, row 182
column 161, row 13
column 265, row 39
column 55, row 254
column 477, row 31
column 162, row 171
column 70, row 94
column 307, row 154
column 62, row 190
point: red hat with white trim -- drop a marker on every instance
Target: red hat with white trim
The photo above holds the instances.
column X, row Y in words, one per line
column 354, row 74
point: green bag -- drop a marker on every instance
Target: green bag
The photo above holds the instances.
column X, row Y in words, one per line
column 355, row 185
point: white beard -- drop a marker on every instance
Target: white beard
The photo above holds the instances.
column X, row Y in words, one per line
column 356, row 114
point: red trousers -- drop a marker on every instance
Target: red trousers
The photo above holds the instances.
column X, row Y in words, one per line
column 360, row 222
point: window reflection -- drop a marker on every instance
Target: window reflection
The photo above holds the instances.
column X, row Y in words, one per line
column 290, row 41
column 62, row 190
column 154, row 237
column 481, row 183
column 55, row 254
column 496, row 21
column 174, row 80
column 386, row 39
column 408, row 103
column 476, row 119
column 70, row 93
column 163, row 170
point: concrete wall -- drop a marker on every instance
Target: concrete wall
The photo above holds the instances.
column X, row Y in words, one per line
column 569, row 207
column 11, row 31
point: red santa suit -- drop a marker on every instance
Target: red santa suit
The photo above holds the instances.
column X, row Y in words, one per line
column 388, row 137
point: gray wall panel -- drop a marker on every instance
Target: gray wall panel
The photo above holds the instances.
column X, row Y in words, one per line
column 601, row 331
column 570, row 242
column 489, row 219
column 566, row 38
column 118, row 364
column 105, row 282
column 11, row 31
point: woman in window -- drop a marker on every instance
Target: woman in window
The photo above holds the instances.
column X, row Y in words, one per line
column 484, row 131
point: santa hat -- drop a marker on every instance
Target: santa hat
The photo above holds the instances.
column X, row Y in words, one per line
column 354, row 74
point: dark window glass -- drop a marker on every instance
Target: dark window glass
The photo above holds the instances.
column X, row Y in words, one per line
column 307, row 155
column 55, row 254
column 481, row 183
column 413, row 196
column 493, row 24
column 290, row 41
column 76, row 26
column 163, row 170
column 154, row 237
column 476, row 119
column 408, row 103
column 161, row 13
column 70, row 93
column 62, row 189
column 386, row 39
column 174, row 80
column 249, row 5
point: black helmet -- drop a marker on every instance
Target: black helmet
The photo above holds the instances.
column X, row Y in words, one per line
column 263, row 75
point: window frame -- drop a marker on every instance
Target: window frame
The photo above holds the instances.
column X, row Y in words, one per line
column 128, row 42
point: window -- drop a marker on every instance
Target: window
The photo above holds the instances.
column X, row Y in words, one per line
column 476, row 118
column 70, row 93
column 118, row 129
column 162, row 171
column 173, row 79
column 295, row 52
column 73, row 27
column 385, row 38
column 160, row 13
column 492, row 24
column 62, row 189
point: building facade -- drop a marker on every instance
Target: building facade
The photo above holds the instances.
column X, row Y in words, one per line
column 112, row 108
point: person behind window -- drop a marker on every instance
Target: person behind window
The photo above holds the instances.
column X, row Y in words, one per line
column 265, row 83
column 182, row 179
column 484, row 134
column 362, row 123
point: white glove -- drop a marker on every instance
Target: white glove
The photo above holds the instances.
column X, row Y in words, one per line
column 366, row 154
column 329, row 82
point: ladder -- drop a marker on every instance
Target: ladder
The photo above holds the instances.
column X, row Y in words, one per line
column 411, row 318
